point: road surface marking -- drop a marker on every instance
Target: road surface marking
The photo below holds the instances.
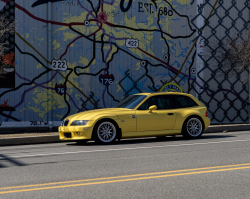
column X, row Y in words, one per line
column 153, row 175
column 123, row 149
column 125, row 180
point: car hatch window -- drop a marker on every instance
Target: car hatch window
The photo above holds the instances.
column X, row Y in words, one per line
column 163, row 102
column 184, row 102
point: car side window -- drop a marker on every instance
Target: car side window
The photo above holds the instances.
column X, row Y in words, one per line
column 183, row 102
column 144, row 106
column 163, row 102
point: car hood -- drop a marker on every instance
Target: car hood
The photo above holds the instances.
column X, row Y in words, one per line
column 94, row 114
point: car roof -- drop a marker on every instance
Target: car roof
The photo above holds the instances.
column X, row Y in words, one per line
column 172, row 93
column 163, row 93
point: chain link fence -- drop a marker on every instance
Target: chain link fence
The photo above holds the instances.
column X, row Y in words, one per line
column 228, row 98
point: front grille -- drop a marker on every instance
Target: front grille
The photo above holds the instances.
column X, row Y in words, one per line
column 67, row 135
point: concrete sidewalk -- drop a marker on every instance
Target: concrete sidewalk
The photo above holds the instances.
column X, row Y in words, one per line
column 55, row 138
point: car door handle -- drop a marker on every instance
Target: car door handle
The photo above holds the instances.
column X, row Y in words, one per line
column 170, row 114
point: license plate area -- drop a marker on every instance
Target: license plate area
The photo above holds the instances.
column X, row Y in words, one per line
column 67, row 135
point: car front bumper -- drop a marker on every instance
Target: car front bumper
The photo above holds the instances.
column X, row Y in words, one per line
column 75, row 132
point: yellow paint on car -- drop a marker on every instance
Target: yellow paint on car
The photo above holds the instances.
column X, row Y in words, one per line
column 134, row 123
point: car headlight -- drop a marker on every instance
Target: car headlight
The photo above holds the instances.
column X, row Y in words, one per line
column 79, row 123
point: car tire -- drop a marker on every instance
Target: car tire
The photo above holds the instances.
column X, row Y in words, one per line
column 192, row 127
column 105, row 132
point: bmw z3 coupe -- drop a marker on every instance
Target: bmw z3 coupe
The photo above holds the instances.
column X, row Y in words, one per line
column 140, row 115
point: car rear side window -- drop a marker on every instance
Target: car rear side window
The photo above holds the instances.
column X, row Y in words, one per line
column 183, row 101
column 163, row 102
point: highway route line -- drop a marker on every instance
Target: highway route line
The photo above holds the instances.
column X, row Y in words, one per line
column 32, row 47
column 206, row 21
column 50, row 63
column 123, row 149
column 127, row 178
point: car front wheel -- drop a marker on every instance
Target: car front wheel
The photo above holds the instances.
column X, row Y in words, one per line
column 105, row 132
column 192, row 128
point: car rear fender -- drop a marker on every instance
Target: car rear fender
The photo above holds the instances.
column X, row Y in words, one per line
column 183, row 115
column 199, row 117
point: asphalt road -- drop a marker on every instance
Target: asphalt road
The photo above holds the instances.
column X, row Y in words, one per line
column 215, row 166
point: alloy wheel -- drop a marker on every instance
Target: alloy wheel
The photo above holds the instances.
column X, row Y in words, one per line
column 194, row 127
column 106, row 132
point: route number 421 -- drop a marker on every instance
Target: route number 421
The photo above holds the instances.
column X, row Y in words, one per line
column 59, row 65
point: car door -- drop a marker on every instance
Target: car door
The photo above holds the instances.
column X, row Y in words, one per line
column 163, row 118
column 128, row 121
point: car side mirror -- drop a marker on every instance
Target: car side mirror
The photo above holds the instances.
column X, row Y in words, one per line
column 152, row 108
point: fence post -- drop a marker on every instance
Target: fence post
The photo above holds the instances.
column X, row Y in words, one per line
column 200, row 47
column 50, row 97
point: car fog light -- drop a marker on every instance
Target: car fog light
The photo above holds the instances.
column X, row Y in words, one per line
column 78, row 133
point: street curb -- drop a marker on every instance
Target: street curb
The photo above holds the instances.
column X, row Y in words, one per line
column 29, row 140
column 227, row 128
column 55, row 138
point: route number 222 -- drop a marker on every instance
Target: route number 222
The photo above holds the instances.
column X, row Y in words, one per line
column 59, row 65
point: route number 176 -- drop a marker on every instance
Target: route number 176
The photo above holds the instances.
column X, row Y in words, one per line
column 106, row 80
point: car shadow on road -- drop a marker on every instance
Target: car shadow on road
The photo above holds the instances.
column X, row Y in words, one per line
column 154, row 139
column 6, row 161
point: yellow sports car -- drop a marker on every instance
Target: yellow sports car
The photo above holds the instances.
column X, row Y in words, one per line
column 140, row 115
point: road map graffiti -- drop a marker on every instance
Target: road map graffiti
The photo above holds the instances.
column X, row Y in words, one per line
column 73, row 55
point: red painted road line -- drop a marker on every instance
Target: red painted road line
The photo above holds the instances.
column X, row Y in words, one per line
column 93, row 20
column 170, row 67
column 43, row 20
column 69, row 46
column 95, row 31
column 109, row 24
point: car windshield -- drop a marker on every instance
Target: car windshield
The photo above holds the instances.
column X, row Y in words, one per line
column 131, row 102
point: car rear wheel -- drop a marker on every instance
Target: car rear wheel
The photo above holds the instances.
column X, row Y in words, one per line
column 105, row 132
column 192, row 127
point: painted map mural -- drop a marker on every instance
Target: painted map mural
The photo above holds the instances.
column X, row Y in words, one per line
column 76, row 55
